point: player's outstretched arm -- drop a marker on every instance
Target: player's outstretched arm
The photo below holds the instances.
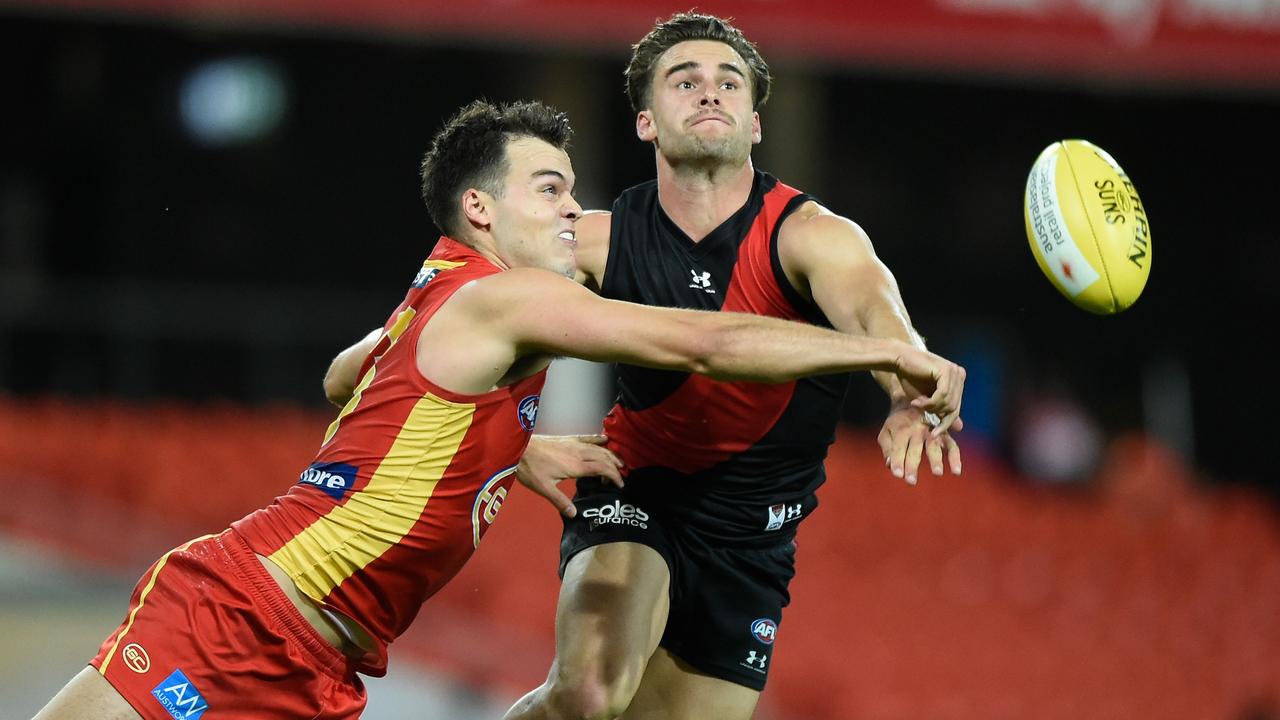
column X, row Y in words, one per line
column 832, row 260
column 542, row 313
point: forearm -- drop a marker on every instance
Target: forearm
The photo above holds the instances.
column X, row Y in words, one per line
column 749, row 347
column 834, row 259
column 885, row 316
column 723, row 345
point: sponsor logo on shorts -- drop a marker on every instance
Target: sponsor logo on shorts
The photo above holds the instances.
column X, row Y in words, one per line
column 782, row 514
column 755, row 660
column 619, row 513
column 765, row 630
column 527, row 412
column 488, row 502
column 333, row 478
column 136, row 658
column 179, row 696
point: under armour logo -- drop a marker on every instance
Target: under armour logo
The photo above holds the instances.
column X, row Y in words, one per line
column 701, row 281
column 756, row 660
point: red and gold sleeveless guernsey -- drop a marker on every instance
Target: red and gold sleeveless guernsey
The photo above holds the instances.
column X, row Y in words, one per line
column 409, row 477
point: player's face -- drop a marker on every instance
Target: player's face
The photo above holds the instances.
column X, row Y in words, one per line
column 532, row 223
column 701, row 109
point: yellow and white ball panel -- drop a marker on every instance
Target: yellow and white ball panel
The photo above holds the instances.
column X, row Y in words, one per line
column 1087, row 227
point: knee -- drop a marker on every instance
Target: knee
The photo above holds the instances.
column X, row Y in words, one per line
column 591, row 698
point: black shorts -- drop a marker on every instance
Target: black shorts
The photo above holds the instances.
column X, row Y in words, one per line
column 726, row 597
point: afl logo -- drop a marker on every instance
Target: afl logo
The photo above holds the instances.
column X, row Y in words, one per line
column 527, row 412
column 136, row 658
column 765, row 630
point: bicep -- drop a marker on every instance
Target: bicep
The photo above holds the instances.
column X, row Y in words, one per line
column 562, row 318
column 848, row 282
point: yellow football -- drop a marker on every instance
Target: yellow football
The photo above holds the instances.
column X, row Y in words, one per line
column 1087, row 227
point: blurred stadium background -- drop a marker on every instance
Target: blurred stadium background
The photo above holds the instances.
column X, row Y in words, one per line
column 202, row 202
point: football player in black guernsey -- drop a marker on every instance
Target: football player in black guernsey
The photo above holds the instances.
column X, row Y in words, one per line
column 673, row 586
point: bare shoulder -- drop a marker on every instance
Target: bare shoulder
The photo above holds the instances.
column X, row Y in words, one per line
column 813, row 235
column 511, row 306
column 592, row 233
column 510, row 292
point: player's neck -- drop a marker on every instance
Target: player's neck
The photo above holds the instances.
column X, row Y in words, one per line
column 485, row 246
column 699, row 200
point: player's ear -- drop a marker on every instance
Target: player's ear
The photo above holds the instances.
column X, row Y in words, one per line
column 645, row 127
column 477, row 208
column 755, row 128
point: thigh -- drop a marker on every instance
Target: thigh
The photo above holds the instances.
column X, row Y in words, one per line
column 674, row 690
column 88, row 695
column 611, row 613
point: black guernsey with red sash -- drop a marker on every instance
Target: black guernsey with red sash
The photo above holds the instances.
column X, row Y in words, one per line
column 736, row 460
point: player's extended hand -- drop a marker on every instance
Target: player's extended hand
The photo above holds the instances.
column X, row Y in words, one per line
column 550, row 459
column 907, row 436
column 935, row 383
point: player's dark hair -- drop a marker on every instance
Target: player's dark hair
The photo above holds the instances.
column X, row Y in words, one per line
column 691, row 26
column 470, row 151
